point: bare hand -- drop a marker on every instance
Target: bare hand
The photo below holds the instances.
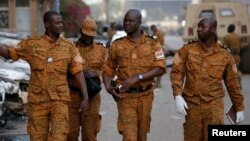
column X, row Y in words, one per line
column 125, row 85
column 84, row 106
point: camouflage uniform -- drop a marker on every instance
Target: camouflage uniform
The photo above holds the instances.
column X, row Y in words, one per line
column 126, row 59
column 90, row 123
column 203, row 89
column 94, row 55
column 48, row 96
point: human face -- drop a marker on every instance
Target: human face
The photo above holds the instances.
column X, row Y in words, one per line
column 204, row 30
column 55, row 25
column 131, row 23
column 86, row 40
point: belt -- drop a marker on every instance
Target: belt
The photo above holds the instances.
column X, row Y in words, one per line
column 139, row 89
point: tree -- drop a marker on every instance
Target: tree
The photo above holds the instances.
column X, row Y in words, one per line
column 73, row 13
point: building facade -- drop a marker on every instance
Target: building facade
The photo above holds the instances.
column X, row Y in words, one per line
column 24, row 16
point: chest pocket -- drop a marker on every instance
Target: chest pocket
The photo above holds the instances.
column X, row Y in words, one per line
column 124, row 58
column 193, row 63
column 60, row 63
column 38, row 60
column 94, row 58
column 216, row 69
column 146, row 57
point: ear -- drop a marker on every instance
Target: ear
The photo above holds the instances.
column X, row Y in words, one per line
column 213, row 29
column 47, row 24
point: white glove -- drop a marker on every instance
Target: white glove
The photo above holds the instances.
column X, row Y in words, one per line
column 239, row 116
column 181, row 105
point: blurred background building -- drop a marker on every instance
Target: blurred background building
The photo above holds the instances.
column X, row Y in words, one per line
column 25, row 16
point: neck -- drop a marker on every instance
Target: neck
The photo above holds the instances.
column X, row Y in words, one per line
column 208, row 44
column 135, row 36
column 52, row 35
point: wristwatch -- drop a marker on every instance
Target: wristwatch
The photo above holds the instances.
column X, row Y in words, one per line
column 140, row 76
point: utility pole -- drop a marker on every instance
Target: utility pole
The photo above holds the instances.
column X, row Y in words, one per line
column 106, row 10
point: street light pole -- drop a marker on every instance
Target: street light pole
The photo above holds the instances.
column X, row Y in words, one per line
column 106, row 10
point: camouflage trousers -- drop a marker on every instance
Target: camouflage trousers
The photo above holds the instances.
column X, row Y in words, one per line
column 134, row 116
column 90, row 123
column 201, row 115
column 48, row 121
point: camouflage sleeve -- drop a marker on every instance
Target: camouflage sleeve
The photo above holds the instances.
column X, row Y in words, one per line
column 159, row 57
column 20, row 51
column 178, row 71
column 76, row 61
column 111, row 64
column 232, row 84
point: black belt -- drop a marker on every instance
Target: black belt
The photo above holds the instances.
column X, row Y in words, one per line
column 139, row 89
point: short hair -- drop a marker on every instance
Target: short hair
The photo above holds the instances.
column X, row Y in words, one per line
column 48, row 15
column 153, row 26
column 137, row 13
column 231, row 28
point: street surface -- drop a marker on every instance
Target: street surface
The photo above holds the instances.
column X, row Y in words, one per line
column 166, row 125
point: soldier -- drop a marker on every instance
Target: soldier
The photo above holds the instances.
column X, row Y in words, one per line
column 232, row 41
column 49, row 56
column 94, row 54
column 135, row 59
column 204, row 63
column 160, row 37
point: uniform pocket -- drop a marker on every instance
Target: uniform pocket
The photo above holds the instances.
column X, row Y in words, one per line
column 35, row 89
column 146, row 57
column 216, row 70
column 98, row 124
column 61, row 62
column 62, row 88
column 123, row 58
column 38, row 61
column 193, row 64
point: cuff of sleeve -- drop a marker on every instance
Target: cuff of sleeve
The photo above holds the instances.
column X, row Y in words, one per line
column 177, row 92
column 160, row 64
column 108, row 70
column 13, row 54
column 76, row 69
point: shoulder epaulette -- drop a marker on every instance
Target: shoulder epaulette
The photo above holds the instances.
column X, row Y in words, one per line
column 100, row 43
column 190, row 42
column 223, row 46
column 67, row 41
column 34, row 37
column 152, row 36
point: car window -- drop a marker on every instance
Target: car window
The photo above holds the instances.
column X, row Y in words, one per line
column 226, row 12
column 206, row 13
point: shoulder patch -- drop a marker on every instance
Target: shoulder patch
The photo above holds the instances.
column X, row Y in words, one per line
column 152, row 36
column 223, row 46
column 100, row 43
column 190, row 41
